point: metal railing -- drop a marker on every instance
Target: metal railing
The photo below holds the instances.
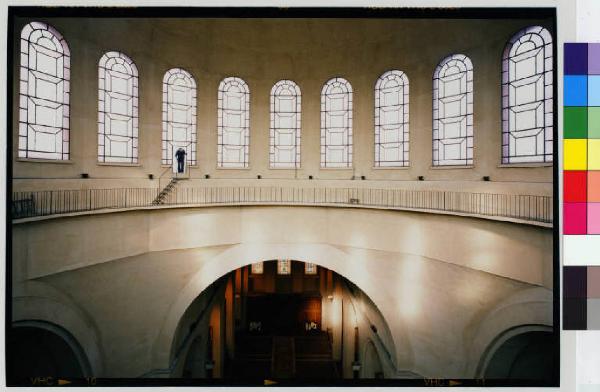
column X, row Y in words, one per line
column 523, row 207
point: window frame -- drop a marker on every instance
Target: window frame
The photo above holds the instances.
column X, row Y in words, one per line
column 404, row 129
column 468, row 160
column 25, row 150
column 277, row 87
column 347, row 163
column 546, row 156
column 167, row 130
column 132, row 156
column 221, row 128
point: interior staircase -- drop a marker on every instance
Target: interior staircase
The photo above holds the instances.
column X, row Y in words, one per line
column 162, row 196
column 300, row 357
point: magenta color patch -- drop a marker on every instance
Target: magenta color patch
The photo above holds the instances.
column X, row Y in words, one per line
column 574, row 221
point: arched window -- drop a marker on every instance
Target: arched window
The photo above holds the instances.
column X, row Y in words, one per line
column 336, row 123
column 391, row 119
column 527, row 97
column 233, row 123
column 453, row 111
column 44, row 93
column 284, row 143
column 179, row 115
column 117, row 109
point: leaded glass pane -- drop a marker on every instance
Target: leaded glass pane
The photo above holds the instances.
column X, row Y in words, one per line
column 233, row 123
column 453, row 112
column 391, row 120
column 527, row 97
column 284, row 151
column 179, row 115
column 336, row 123
column 117, row 109
column 44, row 93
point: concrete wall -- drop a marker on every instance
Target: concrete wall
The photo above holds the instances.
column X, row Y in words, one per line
column 444, row 285
column 517, row 251
column 263, row 51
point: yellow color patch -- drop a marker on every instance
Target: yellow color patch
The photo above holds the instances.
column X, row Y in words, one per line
column 575, row 154
column 593, row 154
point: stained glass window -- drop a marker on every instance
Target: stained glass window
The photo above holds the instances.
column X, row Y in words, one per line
column 44, row 93
column 391, row 120
column 527, row 94
column 336, row 123
column 179, row 115
column 233, row 123
column 453, row 111
column 117, row 109
column 284, row 267
column 257, row 268
column 284, row 149
column 310, row 269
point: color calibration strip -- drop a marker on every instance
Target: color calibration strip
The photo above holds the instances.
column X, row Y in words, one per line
column 581, row 298
column 581, row 176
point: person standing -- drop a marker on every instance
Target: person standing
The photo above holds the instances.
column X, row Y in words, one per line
column 180, row 155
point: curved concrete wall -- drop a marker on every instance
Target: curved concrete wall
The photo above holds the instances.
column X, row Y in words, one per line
column 516, row 251
column 437, row 280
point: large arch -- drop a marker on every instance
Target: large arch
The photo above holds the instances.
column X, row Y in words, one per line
column 45, row 306
column 238, row 256
column 525, row 311
column 40, row 348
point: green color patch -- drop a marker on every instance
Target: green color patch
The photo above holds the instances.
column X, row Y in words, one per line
column 575, row 122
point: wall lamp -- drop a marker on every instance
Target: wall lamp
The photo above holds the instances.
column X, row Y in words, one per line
column 207, row 176
column 151, row 176
column 85, row 175
column 486, row 178
column 310, row 177
column 421, row 178
column 259, row 176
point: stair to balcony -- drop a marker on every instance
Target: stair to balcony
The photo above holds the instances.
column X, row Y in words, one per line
column 162, row 196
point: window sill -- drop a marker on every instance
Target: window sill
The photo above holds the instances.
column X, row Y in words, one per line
column 450, row 167
column 349, row 169
column 41, row 160
column 285, row 168
column 537, row 164
column 233, row 168
column 391, row 167
column 190, row 166
column 124, row 164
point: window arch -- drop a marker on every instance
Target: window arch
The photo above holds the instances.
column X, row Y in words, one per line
column 391, row 119
column 453, row 111
column 527, row 90
column 336, row 123
column 44, row 93
column 233, row 123
column 117, row 109
column 179, row 115
column 284, row 148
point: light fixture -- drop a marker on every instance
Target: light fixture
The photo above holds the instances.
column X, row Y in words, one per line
column 330, row 297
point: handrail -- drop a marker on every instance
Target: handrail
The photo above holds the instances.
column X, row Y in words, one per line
column 532, row 208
